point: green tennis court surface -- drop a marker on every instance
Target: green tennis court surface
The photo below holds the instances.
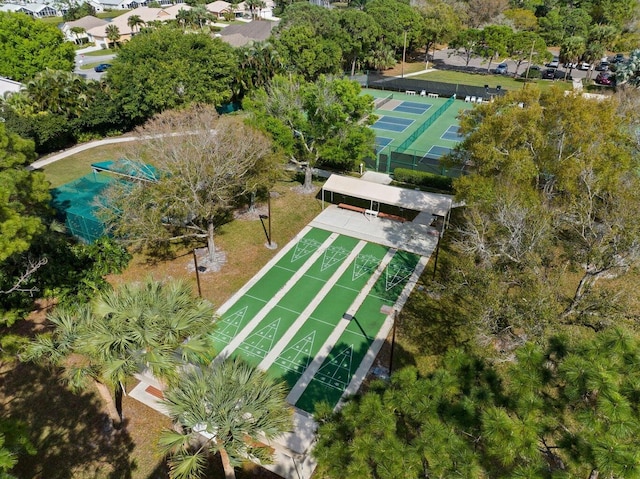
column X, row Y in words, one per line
column 286, row 321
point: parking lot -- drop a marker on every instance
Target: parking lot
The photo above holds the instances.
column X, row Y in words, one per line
column 446, row 59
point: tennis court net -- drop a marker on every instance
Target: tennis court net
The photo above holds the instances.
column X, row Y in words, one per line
column 379, row 102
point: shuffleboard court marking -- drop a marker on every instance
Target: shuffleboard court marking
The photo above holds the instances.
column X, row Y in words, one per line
column 295, row 327
column 337, row 372
column 230, row 325
column 396, row 275
column 324, row 351
column 273, row 301
column 364, row 264
column 297, row 356
column 260, row 342
column 304, row 247
column 332, row 256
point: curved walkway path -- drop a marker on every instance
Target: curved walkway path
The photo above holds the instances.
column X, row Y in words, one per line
column 77, row 149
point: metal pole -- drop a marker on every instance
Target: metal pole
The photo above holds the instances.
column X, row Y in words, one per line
column 404, row 51
column 195, row 262
column 269, row 213
column 393, row 341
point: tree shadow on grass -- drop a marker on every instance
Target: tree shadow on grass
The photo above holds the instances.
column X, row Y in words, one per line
column 71, row 433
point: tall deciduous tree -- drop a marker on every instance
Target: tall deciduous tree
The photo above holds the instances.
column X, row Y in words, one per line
column 325, row 121
column 151, row 325
column 29, row 46
column 230, row 408
column 495, row 43
column 166, row 69
column 549, row 173
column 206, row 164
column 441, row 23
column 467, row 44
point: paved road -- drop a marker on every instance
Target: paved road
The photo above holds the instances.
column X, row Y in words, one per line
column 90, row 74
column 445, row 59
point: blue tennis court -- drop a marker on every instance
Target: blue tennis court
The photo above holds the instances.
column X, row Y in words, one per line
column 381, row 142
column 392, row 123
column 435, row 152
column 452, row 133
column 413, row 107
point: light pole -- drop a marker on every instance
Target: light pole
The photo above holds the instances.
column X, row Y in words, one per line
column 404, row 51
column 269, row 244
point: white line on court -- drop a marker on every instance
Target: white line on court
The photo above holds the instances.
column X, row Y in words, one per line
column 299, row 322
column 251, row 325
column 381, row 337
column 258, row 276
column 324, row 351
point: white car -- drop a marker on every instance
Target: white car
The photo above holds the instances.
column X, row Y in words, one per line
column 584, row 66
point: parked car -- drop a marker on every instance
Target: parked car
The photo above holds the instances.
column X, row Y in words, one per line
column 555, row 63
column 619, row 58
column 603, row 66
column 555, row 74
column 502, row 69
column 584, row 66
column 571, row 65
column 605, row 78
column 103, row 67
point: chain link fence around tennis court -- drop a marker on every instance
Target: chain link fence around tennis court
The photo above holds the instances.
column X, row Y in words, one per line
column 387, row 159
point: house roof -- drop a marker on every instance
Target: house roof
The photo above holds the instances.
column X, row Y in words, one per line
column 147, row 14
column 10, row 7
column 174, row 9
column 38, row 7
column 87, row 22
column 218, row 6
column 242, row 34
column 7, row 85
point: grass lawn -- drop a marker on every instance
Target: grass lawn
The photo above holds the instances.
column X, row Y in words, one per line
column 70, row 430
column 101, row 53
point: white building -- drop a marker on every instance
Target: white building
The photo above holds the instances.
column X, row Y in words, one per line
column 36, row 10
column 9, row 86
column 84, row 23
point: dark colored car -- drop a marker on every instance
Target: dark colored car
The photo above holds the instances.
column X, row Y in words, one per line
column 554, row 74
column 103, row 67
column 534, row 71
column 619, row 58
column 603, row 66
column 605, row 78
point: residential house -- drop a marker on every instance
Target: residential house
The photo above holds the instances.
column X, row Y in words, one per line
column 36, row 10
column 146, row 14
column 9, row 86
column 219, row 8
column 86, row 24
column 244, row 34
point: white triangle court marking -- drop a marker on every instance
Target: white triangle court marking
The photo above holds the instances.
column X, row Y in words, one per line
column 231, row 324
column 337, row 372
column 260, row 342
column 396, row 275
column 290, row 357
column 333, row 255
column 364, row 264
column 305, row 247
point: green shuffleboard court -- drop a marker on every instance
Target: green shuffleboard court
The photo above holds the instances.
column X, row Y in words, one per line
column 292, row 320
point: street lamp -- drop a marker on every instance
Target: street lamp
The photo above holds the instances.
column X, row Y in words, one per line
column 404, row 51
column 270, row 243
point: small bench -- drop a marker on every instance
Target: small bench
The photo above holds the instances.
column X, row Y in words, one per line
column 432, row 95
column 154, row 392
column 346, row 206
column 410, row 92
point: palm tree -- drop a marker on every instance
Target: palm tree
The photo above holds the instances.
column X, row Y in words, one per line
column 228, row 408
column 76, row 33
column 253, row 5
column 570, row 52
column 134, row 22
column 113, row 34
column 154, row 326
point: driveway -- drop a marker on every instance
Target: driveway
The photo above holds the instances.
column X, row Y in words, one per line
column 82, row 59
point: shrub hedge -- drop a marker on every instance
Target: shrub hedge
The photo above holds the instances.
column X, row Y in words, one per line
column 422, row 178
